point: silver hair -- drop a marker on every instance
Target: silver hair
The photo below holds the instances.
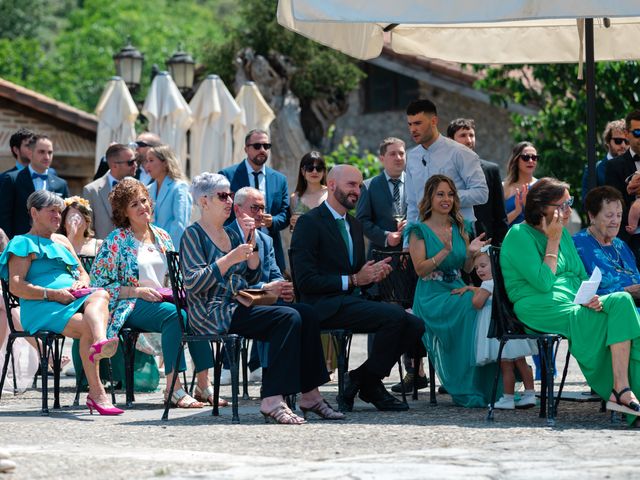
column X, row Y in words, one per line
column 241, row 195
column 207, row 183
column 44, row 199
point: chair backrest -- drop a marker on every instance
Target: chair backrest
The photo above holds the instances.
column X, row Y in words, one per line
column 177, row 287
column 503, row 318
column 10, row 302
column 400, row 285
column 87, row 261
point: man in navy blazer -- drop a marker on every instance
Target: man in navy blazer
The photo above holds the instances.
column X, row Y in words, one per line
column 272, row 184
column 19, row 145
column 18, row 185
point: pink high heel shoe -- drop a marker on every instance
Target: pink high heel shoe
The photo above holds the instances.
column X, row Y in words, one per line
column 104, row 349
column 102, row 410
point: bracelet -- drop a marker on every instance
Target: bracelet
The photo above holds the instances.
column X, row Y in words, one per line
column 433, row 259
column 354, row 280
column 45, row 297
column 551, row 255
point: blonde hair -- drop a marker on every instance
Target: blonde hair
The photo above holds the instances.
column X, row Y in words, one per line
column 166, row 156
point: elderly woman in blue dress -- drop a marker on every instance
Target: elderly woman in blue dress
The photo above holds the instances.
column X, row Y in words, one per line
column 44, row 272
column 599, row 246
column 216, row 265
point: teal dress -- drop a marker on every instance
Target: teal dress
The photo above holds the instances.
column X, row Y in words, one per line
column 450, row 322
column 54, row 267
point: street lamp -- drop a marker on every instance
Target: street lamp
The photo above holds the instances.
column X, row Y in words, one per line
column 129, row 62
column 182, row 68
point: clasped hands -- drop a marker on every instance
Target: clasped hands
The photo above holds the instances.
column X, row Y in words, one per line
column 372, row 271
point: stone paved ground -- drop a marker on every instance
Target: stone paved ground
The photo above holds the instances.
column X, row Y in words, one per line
column 440, row 442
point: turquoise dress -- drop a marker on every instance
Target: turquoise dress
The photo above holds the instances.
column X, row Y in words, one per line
column 450, row 322
column 55, row 267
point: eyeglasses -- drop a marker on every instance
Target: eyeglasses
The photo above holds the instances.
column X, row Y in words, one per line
column 311, row 168
column 257, row 146
column 528, row 157
column 256, row 208
column 223, row 196
column 636, row 132
column 131, row 163
column 564, row 206
column 620, row 141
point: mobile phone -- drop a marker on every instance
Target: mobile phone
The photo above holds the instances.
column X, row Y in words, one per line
column 250, row 236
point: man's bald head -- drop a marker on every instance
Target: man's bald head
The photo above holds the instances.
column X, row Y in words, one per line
column 344, row 183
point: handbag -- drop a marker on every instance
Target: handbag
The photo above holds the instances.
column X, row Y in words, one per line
column 255, row 296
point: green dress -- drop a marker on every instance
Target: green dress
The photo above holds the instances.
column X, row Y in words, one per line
column 544, row 301
column 450, row 322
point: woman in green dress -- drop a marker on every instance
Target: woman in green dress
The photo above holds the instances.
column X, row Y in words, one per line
column 440, row 248
column 542, row 273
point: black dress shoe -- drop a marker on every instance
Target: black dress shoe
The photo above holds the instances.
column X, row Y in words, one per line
column 382, row 400
column 349, row 392
column 423, row 382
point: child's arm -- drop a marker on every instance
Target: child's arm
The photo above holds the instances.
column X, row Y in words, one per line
column 480, row 297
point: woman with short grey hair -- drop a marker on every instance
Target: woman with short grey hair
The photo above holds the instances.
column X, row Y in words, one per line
column 44, row 271
column 207, row 183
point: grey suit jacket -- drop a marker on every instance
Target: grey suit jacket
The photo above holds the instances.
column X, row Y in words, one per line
column 97, row 192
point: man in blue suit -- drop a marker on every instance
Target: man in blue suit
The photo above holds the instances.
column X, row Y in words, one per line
column 16, row 187
column 252, row 172
column 19, row 144
column 249, row 207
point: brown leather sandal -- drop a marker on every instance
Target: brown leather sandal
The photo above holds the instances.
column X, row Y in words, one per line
column 282, row 415
column 206, row 396
column 323, row 410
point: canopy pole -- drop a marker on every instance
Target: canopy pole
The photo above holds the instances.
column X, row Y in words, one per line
column 591, row 105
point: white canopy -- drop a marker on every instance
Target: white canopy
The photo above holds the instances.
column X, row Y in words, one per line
column 169, row 115
column 117, row 113
column 256, row 113
column 490, row 31
column 214, row 113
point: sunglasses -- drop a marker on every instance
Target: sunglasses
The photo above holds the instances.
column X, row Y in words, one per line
column 256, row 208
column 311, row 168
column 257, row 146
column 223, row 196
column 620, row 141
column 528, row 157
column 636, row 132
column 564, row 206
column 128, row 162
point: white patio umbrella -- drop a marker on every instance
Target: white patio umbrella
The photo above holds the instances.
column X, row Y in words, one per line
column 492, row 31
column 256, row 113
column 117, row 113
column 214, row 113
column 169, row 115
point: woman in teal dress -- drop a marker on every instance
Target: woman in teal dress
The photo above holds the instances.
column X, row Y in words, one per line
column 439, row 249
column 542, row 273
column 44, row 271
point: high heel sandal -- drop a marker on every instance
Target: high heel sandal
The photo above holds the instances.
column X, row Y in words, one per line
column 93, row 405
column 206, row 396
column 631, row 408
column 104, row 349
column 282, row 415
column 323, row 410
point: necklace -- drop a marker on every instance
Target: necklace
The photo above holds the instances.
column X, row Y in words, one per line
column 617, row 263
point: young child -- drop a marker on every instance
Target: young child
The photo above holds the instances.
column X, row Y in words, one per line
column 514, row 351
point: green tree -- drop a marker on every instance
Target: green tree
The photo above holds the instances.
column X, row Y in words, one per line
column 559, row 130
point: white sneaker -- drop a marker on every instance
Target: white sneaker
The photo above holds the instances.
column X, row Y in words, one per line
column 527, row 400
column 256, row 375
column 225, row 377
column 505, row 404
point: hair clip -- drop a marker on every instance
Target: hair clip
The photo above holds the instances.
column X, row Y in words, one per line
column 485, row 248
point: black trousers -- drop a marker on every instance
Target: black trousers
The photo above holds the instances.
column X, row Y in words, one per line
column 395, row 331
column 295, row 362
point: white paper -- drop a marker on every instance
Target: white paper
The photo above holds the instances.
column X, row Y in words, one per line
column 588, row 288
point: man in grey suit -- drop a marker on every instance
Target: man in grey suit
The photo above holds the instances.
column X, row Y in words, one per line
column 120, row 159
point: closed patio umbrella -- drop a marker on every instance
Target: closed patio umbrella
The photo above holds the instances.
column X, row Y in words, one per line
column 117, row 113
column 169, row 115
column 256, row 113
column 493, row 32
column 214, row 114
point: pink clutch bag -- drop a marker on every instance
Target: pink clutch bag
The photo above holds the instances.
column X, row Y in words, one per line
column 167, row 294
column 82, row 292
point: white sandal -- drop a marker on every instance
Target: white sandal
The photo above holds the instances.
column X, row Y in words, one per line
column 181, row 399
column 206, row 396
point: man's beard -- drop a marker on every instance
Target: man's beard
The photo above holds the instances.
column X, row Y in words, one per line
column 260, row 159
column 343, row 199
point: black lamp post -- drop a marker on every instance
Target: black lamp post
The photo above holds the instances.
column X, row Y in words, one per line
column 182, row 69
column 129, row 63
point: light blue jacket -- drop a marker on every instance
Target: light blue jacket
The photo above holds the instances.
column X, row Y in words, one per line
column 171, row 207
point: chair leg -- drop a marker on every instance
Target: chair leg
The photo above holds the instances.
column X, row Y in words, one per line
column 432, row 382
column 113, row 388
column 547, row 360
column 44, row 373
column 232, row 350
column 402, row 386
column 416, row 368
column 217, row 370
column 245, row 368
column 57, row 361
column 129, row 340
column 543, row 378
column 79, row 380
column 340, row 344
column 5, row 367
column 564, row 377
column 14, row 376
column 174, row 378
column 494, row 389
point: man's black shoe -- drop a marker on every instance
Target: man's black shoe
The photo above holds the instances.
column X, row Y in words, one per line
column 382, row 400
column 442, row 390
column 349, row 392
column 423, row 382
